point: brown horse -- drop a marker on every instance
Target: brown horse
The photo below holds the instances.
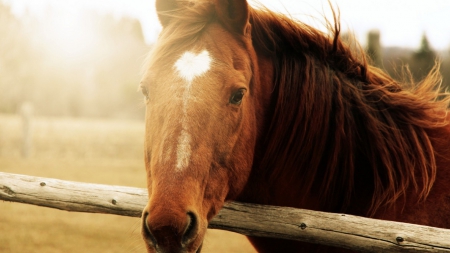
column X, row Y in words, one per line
column 249, row 105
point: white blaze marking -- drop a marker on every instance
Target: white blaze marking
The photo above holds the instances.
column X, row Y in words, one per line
column 183, row 150
column 189, row 66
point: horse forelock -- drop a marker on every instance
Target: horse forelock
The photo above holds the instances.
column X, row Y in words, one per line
column 181, row 34
column 338, row 124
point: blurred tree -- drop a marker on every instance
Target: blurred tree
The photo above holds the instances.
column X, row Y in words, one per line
column 95, row 75
column 374, row 48
column 423, row 59
column 445, row 70
column 14, row 76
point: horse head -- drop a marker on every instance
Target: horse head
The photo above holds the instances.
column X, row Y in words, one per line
column 202, row 100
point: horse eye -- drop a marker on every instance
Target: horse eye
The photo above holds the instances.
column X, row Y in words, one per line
column 236, row 97
column 144, row 91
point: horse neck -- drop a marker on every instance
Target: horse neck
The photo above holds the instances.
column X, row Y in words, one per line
column 284, row 186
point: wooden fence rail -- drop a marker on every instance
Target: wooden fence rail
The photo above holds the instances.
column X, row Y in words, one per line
column 341, row 230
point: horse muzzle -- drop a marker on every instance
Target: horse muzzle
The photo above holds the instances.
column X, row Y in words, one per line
column 168, row 231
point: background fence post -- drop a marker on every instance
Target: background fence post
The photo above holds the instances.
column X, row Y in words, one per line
column 26, row 111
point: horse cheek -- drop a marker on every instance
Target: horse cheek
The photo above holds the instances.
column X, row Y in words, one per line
column 215, row 192
column 243, row 152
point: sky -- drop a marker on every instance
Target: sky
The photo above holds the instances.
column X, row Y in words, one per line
column 400, row 22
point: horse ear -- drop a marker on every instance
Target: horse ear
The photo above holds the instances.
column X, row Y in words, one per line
column 234, row 14
column 163, row 7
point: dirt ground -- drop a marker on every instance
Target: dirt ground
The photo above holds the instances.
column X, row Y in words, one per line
column 95, row 151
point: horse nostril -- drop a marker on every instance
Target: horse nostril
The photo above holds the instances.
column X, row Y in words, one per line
column 146, row 230
column 191, row 228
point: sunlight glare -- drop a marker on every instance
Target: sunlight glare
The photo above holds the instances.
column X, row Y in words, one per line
column 69, row 35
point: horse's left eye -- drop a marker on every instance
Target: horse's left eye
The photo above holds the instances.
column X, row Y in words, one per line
column 144, row 91
column 236, row 97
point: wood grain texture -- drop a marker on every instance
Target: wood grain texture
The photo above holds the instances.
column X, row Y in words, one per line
column 341, row 230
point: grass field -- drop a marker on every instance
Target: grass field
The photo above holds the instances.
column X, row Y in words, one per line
column 95, row 151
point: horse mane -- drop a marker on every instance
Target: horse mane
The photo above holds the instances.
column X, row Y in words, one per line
column 340, row 126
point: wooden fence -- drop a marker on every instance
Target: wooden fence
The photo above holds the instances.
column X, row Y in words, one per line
column 340, row 230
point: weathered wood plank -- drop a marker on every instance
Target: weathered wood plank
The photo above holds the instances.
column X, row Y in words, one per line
column 73, row 196
column 341, row 230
